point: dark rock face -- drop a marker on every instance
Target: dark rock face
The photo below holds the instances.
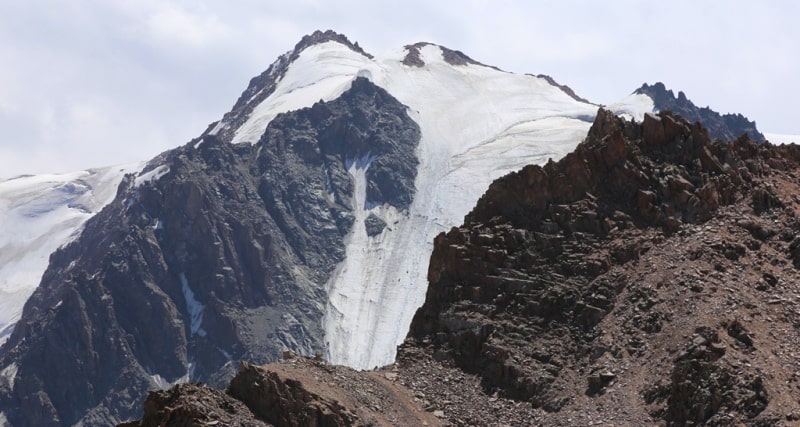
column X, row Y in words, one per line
column 374, row 225
column 222, row 258
column 518, row 292
column 726, row 127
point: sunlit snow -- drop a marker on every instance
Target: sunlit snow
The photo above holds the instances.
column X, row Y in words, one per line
column 193, row 307
column 633, row 106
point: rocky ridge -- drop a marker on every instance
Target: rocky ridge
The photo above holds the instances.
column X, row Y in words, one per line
column 647, row 276
column 296, row 391
column 722, row 126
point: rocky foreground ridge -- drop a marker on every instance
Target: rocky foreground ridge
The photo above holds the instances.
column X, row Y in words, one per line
column 650, row 277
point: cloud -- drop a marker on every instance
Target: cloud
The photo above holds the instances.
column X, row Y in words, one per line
column 178, row 27
column 100, row 79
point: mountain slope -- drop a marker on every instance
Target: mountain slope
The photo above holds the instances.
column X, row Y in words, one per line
column 477, row 124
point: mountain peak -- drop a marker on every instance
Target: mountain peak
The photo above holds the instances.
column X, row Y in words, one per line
column 319, row 37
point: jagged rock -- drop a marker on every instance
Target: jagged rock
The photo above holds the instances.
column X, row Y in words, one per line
column 726, row 127
column 374, row 225
column 764, row 198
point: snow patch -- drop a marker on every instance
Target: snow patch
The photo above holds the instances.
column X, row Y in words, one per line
column 219, row 126
column 9, row 374
column 151, row 176
column 3, row 420
column 160, row 382
column 194, row 307
column 634, row 106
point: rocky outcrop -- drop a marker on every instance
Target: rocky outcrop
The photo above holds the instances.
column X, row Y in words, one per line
column 296, row 392
column 575, row 286
column 286, row 402
column 726, row 126
column 193, row 404
column 564, row 88
column 452, row 57
column 215, row 253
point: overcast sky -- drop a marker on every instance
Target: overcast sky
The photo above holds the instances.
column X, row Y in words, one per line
column 87, row 83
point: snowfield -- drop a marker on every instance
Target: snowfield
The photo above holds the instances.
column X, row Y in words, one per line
column 477, row 123
column 38, row 215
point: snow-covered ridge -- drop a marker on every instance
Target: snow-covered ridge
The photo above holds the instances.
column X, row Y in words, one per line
column 38, row 215
column 478, row 123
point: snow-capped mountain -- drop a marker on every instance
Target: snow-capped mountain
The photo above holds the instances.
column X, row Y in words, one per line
column 477, row 123
column 303, row 220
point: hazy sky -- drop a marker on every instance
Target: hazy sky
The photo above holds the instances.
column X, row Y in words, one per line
column 88, row 83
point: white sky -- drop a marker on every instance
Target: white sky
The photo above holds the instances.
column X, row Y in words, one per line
column 88, row 83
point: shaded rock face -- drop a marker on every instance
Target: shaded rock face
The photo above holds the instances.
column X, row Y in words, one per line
column 726, row 126
column 523, row 293
column 222, row 258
